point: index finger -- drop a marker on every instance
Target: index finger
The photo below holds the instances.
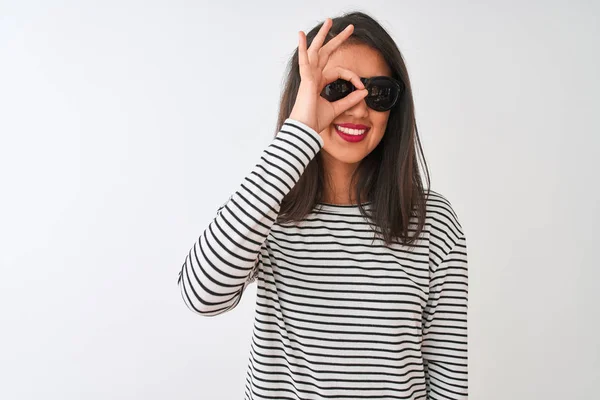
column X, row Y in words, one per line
column 331, row 74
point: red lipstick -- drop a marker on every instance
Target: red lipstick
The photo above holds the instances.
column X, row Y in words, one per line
column 349, row 137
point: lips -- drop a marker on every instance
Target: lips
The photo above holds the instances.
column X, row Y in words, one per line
column 352, row 136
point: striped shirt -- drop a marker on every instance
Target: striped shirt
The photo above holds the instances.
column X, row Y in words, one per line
column 339, row 315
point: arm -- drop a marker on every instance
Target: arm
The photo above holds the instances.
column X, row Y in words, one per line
column 445, row 326
column 226, row 256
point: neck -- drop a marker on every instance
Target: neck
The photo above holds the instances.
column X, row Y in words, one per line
column 338, row 188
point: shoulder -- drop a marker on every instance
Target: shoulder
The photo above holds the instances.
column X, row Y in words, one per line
column 439, row 210
column 445, row 229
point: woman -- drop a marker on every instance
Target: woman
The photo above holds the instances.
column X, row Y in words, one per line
column 362, row 273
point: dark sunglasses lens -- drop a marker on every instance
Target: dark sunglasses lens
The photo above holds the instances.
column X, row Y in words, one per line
column 337, row 90
column 383, row 94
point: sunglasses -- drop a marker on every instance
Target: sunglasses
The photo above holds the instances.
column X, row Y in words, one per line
column 384, row 91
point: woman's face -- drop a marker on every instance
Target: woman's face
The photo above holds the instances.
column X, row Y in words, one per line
column 365, row 62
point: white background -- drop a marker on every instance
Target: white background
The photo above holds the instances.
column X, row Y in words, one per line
column 119, row 140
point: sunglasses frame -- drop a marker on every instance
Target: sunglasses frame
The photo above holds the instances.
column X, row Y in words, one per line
column 368, row 82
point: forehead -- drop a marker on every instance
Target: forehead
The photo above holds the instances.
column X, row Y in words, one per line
column 361, row 59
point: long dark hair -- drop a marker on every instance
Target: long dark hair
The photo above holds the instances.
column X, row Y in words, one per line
column 389, row 175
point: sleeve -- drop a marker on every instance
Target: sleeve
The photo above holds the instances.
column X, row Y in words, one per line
column 444, row 344
column 226, row 257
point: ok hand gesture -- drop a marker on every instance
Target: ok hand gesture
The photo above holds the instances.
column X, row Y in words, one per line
column 310, row 108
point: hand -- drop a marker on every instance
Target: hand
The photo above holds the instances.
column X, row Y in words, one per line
column 310, row 108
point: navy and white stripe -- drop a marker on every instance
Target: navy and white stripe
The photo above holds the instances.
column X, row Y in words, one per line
column 339, row 315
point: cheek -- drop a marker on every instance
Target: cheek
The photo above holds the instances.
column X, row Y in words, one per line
column 380, row 124
column 325, row 133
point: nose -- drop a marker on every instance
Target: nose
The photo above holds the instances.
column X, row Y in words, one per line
column 359, row 110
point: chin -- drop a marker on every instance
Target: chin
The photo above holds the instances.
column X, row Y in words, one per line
column 345, row 157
